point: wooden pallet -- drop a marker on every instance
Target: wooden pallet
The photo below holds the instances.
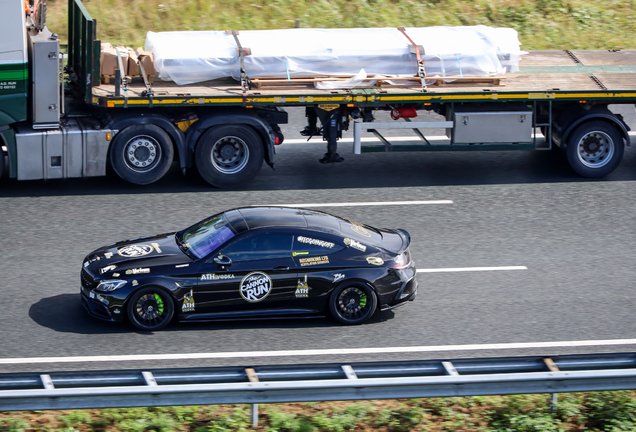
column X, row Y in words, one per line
column 377, row 82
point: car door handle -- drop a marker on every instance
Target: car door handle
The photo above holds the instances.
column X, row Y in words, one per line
column 280, row 269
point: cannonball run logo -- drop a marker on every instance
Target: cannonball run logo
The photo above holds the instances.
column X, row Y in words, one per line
column 255, row 287
column 135, row 250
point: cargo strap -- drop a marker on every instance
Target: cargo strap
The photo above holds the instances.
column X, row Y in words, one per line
column 121, row 79
column 142, row 70
column 246, row 83
column 420, row 63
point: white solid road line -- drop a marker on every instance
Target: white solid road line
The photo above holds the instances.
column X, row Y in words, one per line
column 471, row 269
column 360, row 204
column 319, row 352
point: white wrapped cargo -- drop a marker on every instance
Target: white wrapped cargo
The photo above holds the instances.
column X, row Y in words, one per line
column 196, row 56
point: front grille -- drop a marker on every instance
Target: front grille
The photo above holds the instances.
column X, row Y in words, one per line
column 87, row 280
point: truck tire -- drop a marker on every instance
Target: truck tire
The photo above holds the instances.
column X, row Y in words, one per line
column 595, row 149
column 141, row 154
column 228, row 156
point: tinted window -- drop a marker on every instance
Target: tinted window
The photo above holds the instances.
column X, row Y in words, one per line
column 264, row 246
column 311, row 245
column 204, row 237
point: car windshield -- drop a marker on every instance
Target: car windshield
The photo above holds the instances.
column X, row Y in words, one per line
column 201, row 239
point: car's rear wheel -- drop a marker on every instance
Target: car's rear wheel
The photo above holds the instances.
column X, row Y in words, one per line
column 150, row 309
column 353, row 303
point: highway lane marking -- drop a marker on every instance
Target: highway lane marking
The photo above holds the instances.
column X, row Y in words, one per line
column 361, row 204
column 319, row 352
column 471, row 269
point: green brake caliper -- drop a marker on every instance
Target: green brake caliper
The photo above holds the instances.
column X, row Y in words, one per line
column 363, row 300
column 159, row 303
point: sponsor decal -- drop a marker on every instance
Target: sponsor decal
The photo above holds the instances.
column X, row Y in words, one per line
column 188, row 303
column 108, row 255
column 338, row 277
column 85, row 264
column 316, row 242
column 355, row 244
column 115, row 274
column 216, row 276
column 137, row 271
column 375, row 260
column 314, row 261
column 302, row 289
column 135, row 283
column 156, row 246
column 255, row 287
column 135, row 250
column 299, row 253
column 117, row 311
column 107, row 269
column 361, row 230
column 181, row 265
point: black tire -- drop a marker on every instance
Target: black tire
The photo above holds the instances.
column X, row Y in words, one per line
column 353, row 303
column 141, row 154
column 595, row 149
column 2, row 158
column 150, row 309
column 230, row 155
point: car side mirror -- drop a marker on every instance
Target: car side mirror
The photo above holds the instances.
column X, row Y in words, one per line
column 222, row 261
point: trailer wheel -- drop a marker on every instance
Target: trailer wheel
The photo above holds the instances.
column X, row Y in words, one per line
column 595, row 149
column 230, row 155
column 141, row 154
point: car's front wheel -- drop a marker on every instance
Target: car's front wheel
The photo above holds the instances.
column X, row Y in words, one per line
column 150, row 309
column 353, row 303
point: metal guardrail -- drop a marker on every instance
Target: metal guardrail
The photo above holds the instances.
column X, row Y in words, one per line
column 317, row 382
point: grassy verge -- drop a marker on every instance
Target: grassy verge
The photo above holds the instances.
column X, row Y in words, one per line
column 608, row 411
column 542, row 24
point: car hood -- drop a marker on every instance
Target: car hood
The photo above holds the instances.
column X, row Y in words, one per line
column 134, row 254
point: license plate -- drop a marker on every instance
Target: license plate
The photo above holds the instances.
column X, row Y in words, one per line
column 91, row 294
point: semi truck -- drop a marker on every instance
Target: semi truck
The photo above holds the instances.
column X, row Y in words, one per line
column 60, row 119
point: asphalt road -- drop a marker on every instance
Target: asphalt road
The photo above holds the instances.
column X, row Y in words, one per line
column 575, row 236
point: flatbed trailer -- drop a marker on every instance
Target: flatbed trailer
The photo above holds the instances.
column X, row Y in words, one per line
column 226, row 129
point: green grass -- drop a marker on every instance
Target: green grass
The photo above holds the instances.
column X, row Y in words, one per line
column 594, row 412
column 542, row 24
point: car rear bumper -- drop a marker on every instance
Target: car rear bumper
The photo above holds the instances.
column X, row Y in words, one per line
column 406, row 293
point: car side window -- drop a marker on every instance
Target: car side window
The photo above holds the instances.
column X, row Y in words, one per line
column 265, row 246
column 311, row 245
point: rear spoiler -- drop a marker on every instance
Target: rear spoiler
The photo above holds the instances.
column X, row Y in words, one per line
column 406, row 239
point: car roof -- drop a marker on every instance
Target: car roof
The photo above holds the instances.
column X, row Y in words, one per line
column 249, row 218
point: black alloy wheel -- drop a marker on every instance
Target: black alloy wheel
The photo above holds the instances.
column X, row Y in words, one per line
column 150, row 309
column 353, row 303
column 141, row 154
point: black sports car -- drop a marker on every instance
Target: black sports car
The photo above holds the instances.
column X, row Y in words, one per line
column 252, row 262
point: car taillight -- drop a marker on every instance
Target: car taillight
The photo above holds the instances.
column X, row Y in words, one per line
column 401, row 261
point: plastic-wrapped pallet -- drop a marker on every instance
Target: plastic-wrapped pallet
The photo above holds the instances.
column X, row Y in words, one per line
column 196, row 56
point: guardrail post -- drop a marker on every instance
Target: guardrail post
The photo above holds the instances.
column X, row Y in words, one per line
column 554, row 396
column 251, row 375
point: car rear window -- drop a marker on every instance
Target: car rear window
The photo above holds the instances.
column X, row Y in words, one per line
column 360, row 232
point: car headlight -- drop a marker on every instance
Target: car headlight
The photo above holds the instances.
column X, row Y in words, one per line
column 110, row 285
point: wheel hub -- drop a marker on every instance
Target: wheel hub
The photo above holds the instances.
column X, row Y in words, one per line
column 142, row 153
column 230, row 155
column 595, row 149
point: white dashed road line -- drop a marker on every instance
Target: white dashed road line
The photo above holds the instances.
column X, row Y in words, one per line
column 361, row 204
column 319, row 352
column 471, row 269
